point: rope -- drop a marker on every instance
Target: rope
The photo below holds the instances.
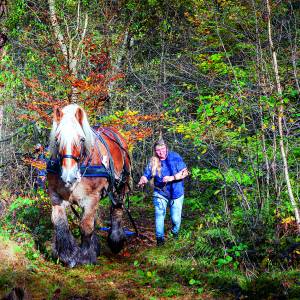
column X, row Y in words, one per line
column 130, row 216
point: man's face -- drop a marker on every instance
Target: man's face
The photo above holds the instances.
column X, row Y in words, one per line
column 161, row 152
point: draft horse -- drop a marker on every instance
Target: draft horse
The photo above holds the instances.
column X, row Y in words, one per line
column 86, row 164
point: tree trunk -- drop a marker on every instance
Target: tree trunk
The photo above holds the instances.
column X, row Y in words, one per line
column 280, row 120
column 69, row 51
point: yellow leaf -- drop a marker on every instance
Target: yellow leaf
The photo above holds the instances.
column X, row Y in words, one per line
column 288, row 220
column 149, row 274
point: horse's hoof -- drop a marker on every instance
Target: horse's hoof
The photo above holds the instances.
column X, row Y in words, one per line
column 116, row 241
column 72, row 263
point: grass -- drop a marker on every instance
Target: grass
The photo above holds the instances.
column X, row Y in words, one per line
column 188, row 268
column 223, row 282
column 114, row 277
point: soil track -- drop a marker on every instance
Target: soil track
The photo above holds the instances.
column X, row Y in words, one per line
column 128, row 275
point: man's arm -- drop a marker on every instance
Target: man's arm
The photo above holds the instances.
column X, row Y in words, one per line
column 182, row 174
column 143, row 181
column 146, row 176
column 178, row 176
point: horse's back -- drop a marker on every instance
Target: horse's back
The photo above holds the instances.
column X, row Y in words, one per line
column 117, row 147
column 113, row 134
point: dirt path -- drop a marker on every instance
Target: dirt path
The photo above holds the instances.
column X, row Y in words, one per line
column 126, row 276
column 130, row 275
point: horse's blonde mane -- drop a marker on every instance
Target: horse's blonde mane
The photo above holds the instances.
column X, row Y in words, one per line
column 67, row 129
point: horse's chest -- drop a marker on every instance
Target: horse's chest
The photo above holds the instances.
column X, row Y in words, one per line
column 82, row 191
column 77, row 195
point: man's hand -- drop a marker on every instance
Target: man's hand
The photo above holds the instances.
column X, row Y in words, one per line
column 142, row 181
column 168, row 178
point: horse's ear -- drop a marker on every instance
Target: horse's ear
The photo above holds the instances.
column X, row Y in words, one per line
column 57, row 114
column 79, row 115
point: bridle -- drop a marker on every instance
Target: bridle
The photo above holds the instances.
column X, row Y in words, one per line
column 78, row 159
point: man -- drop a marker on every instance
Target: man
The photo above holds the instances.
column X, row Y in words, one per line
column 167, row 170
column 40, row 167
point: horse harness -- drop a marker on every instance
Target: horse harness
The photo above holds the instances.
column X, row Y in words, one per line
column 88, row 170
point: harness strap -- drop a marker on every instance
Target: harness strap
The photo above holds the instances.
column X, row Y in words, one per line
column 77, row 159
column 120, row 144
column 53, row 166
column 111, row 197
column 111, row 162
column 117, row 141
column 75, row 212
column 94, row 171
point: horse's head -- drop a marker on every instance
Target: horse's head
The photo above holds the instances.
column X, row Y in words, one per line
column 70, row 139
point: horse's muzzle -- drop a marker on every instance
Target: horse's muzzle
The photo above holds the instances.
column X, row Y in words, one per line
column 70, row 177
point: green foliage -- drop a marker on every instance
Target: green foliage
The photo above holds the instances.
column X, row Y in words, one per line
column 207, row 175
column 17, row 11
column 212, row 63
column 28, row 219
column 174, row 290
column 232, row 255
column 206, row 67
column 146, row 276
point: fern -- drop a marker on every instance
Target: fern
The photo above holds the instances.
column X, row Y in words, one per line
column 222, row 234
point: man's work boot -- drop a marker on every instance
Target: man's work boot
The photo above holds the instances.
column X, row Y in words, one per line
column 174, row 235
column 160, row 241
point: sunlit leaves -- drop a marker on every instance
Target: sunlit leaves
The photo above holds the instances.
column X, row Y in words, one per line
column 131, row 124
column 17, row 10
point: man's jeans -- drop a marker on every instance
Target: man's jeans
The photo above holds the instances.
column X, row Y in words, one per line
column 160, row 204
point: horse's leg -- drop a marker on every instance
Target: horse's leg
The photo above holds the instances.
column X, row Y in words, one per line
column 90, row 245
column 116, row 235
column 65, row 246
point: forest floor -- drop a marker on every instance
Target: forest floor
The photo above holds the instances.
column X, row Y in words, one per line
column 114, row 277
column 128, row 275
column 140, row 271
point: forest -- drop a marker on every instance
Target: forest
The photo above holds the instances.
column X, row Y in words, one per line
column 219, row 80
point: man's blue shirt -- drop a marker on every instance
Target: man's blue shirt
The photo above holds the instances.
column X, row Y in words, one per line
column 172, row 165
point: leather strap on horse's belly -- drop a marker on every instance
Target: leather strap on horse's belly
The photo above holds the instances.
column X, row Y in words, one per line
column 53, row 166
column 94, row 171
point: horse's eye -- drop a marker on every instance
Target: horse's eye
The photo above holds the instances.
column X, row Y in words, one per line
column 82, row 140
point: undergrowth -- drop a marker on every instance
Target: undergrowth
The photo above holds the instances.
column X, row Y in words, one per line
column 216, row 257
column 212, row 256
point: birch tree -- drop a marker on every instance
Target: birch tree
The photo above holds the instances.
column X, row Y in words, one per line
column 281, row 119
column 70, row 41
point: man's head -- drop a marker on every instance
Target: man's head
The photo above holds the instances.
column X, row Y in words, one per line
column 161, row 149
column 38, row 148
